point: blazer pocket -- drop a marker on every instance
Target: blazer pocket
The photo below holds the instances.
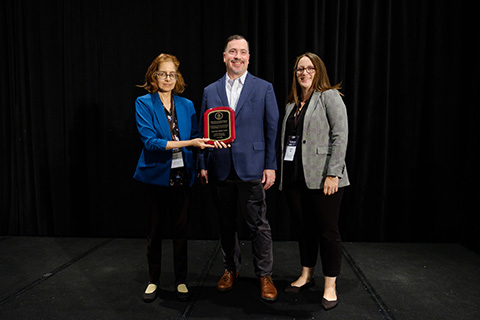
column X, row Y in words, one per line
column 259, row 145
column 324, row 150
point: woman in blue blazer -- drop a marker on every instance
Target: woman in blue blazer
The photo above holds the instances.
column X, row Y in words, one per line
column 167, row 125
column 314, row 143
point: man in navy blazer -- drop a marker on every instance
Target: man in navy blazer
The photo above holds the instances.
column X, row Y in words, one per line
column 241, row 173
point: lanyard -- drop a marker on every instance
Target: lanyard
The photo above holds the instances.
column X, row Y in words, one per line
column 177, row 159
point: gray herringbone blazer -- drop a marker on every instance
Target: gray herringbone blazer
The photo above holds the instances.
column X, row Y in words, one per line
column 325, row 135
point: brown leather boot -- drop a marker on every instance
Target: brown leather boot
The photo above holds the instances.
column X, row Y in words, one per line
column 227, row 281
column 269, row 292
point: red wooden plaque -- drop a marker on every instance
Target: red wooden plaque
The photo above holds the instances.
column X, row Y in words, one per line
column 219, row 124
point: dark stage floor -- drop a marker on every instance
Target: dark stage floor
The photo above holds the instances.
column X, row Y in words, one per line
column 87, row 278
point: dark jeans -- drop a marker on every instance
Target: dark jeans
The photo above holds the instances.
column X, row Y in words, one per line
column 317, row 215
column 167, row 209
column 249, row 197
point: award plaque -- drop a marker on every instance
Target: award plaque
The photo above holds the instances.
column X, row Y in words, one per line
column 219, row 124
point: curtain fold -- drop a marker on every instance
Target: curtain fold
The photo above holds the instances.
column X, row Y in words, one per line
column 69, row 145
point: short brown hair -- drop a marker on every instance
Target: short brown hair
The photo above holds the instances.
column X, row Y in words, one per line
column 320, row 80
column 235, row 37
column 150, row 77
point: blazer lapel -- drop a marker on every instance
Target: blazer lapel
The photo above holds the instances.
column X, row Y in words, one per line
column 163, row 128
column 247, row 88
column 222, row 93
column 182, row 117
column 314, row 102
column 288, row 110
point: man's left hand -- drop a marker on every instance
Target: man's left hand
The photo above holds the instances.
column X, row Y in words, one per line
column 268, row 178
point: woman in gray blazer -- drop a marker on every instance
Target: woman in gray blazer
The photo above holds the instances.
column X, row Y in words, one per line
column 313, row 172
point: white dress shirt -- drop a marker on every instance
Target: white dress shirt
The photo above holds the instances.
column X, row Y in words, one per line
column 234, row 88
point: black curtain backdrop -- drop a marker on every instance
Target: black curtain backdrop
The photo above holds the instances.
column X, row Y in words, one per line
column 409, row 72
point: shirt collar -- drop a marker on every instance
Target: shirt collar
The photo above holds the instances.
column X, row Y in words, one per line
column 241, row 79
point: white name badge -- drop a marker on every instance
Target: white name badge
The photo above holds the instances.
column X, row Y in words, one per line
column 177, row 159
column 291, row 148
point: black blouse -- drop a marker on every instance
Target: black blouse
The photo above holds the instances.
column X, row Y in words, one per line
column 293, row 170
column 177, row 175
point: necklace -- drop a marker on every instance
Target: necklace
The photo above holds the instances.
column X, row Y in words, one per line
column 302, row 104
column 165, row 105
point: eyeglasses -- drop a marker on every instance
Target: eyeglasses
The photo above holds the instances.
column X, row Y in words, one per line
column 164, row 75
column 309, row 70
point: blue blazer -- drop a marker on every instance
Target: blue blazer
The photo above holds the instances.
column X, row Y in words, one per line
column 154, row 164
column 256, row 124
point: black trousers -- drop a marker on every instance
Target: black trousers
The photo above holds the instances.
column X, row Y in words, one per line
column 249, row 197
column 317, row 216
column 167, row 211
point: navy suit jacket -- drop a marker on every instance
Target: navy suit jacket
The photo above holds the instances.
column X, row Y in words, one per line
column 256, row 124
column 154, row 164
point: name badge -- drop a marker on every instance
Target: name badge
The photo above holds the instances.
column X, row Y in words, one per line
column 177, row 159
column 291, row 147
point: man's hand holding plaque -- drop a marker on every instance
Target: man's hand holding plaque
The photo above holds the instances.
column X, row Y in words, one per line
column 219, row 126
